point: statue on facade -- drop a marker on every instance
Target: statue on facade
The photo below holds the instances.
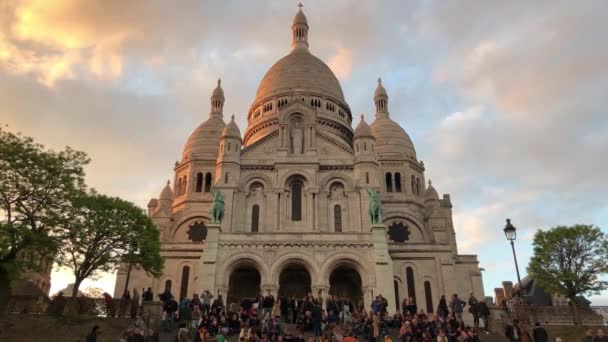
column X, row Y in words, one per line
column 375, row 206
column 297, row 138
column 217, row 208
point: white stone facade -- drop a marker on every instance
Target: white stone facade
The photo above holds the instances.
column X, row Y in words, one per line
column 295, row 191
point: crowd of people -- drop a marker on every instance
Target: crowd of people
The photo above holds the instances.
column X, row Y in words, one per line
column 264, row 318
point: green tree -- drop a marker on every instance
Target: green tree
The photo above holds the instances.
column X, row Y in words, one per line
column 570, row 261
column 143, row 255
column 36, row 185
column 102, row 233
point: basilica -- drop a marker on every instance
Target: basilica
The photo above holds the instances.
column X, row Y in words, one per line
column 296, row 187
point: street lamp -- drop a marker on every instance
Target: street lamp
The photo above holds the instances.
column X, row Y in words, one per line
column 511, row 234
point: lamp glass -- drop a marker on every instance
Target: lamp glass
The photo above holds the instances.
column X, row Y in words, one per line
column 510, row 234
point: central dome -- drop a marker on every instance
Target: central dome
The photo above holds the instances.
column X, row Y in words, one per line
column 299, row 71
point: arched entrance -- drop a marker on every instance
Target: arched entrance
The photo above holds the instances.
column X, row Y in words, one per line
column 345, row 281
column 244, row 283
column 294, row 281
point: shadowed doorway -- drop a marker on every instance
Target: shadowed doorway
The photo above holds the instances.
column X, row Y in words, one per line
column 294, row 281
column 244, row 283
column 345, row 282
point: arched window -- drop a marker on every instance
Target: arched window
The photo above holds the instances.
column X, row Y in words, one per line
column 199, row 182
column 413, row 185
column 226, row 178
column 411, row 289
column 418, row 186
column 338, row 218
column 168, row 284
column 396, row 285
column 389, row 182
column 397, row 182
column 428, row 296
column 184, row 185
column 367, row 178
column 208, row 182
column 183, row 291
column 296, row 201
column 255, row 218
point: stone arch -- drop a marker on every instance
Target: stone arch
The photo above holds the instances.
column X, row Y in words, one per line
column 346, row 259
column 255, row 177
column 294, row 258
column 184, row 223
column 287, row 177
column 329, row 179
column 237, row 260
column 413, row 221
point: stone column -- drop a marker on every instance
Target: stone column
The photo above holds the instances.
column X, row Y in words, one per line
column 383, row 267
column 499, row 295
column 367, row 298
column 208, row 260
column 507, row 287
column 151, row 313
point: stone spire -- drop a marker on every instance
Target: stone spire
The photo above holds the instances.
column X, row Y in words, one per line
column 381, row 98
column 217, row 99
column 299, row 30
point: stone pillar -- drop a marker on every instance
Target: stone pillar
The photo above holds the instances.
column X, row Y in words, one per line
column 507, row 287
column 151, row 313
column 383, row 267
column 367, row 298
column 499, row 295
column 208, row 260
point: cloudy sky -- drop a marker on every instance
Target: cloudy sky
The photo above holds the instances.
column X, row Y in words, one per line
column 505, row 100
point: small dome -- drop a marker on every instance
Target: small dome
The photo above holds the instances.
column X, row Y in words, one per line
column 204, row 140
column 391, row 139
column 363, row 129
column 231, row 130
column 380, row 91
column 153, row 203
column 167, row 193
column 218, row 91
column 300, row 18
column 431, row 193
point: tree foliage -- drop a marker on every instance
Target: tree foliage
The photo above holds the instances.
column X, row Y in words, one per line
column 36, row 186
column 570, row 261
column 103, row 231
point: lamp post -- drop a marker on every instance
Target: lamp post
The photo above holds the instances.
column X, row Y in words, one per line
column 511, row 234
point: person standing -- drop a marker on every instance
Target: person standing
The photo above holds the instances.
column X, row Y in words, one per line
column 588, row 336
column 539, row 333
column 442, row 308
column 484, row 313
column 474, row 309
column 512, row 331
column 600, row 337
column 457, row 306
column 316, row 317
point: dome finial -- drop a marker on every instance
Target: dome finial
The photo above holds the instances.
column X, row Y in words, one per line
column 430, row 183
column 219, row 82
column 362, row 117
column 379, row 80
column 232, row 118
column 300, row 5
column 168, row 182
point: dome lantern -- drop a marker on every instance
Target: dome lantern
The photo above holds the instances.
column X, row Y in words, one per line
column 299, row 30
column 217, row 99
column 381, row 98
